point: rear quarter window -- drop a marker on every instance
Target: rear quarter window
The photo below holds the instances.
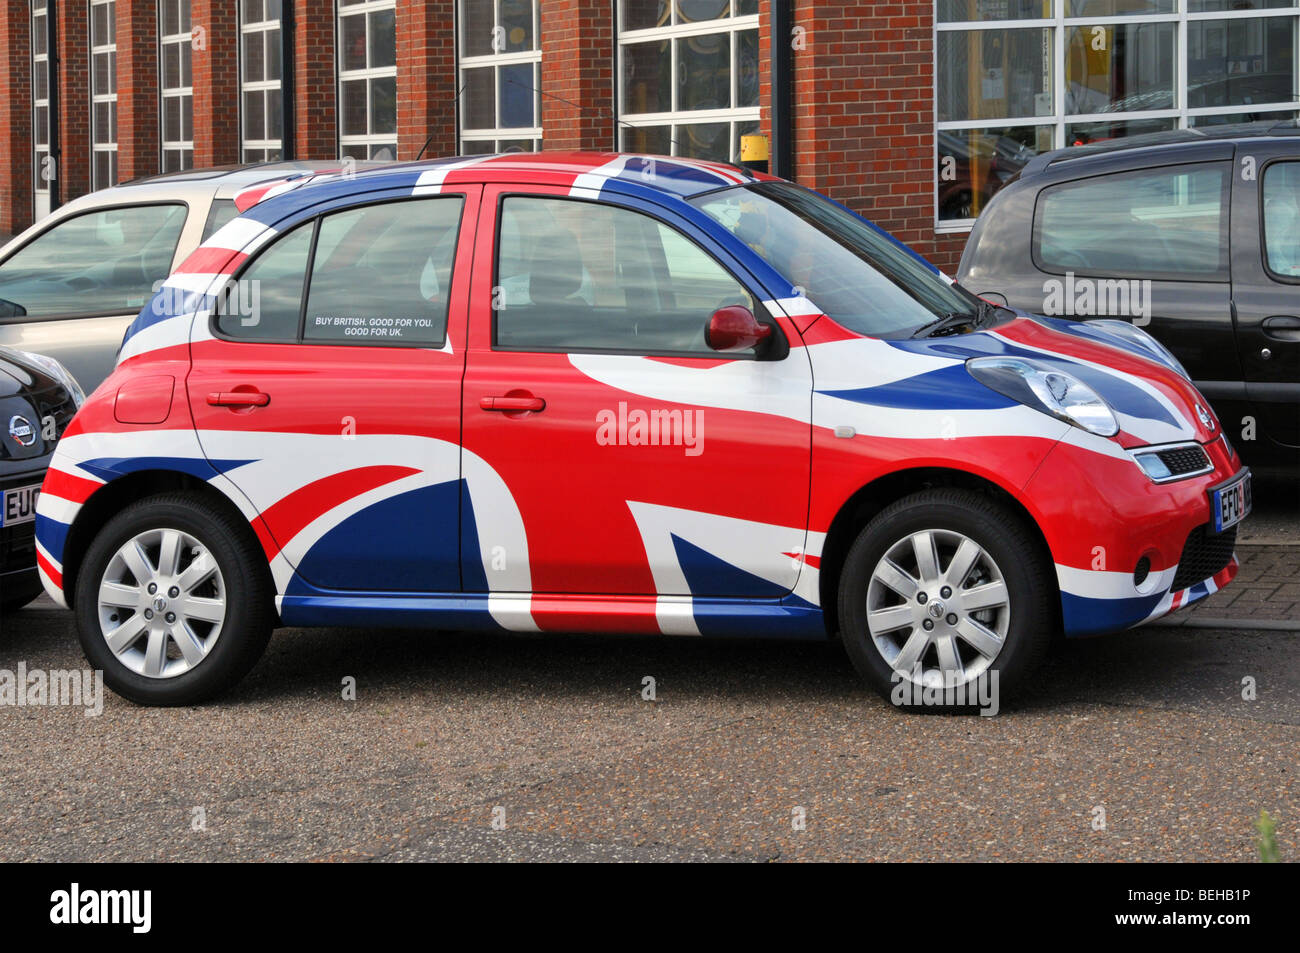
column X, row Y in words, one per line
column 1168, row 222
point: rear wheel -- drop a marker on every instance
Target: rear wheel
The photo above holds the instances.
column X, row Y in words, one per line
column 173, row 601
column 942, row 591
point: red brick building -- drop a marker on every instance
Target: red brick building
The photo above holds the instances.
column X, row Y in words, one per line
column 912, row 112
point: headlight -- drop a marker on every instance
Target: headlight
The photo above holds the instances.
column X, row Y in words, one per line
column 55, row 370
column 1143, row 340
column 1048, row 389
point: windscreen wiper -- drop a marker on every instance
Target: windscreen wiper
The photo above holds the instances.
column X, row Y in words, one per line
column 946, row 324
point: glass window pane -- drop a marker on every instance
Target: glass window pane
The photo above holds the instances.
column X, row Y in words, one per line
column 382, row 152
column 254, row 58
column 171, row 57
column 647, row 77
column 1152, row 223
column 119, row 252
column 352, row 42
column 1231, row 118
column 704, row 72
column 994, row 74
column 187, row 65
column 517, row 25
column 1082, row 133
column 693, row 11
column 476, row 22
column 1282, row 218
column 517, row 96
column 353, row 120
column 1118, row 8
column 705, row 140
column 746, row 8
column 1239, row 62
column 747, row 80
column 383, row 39
column 477, row 147
column 387, row 277
column 277, row 275
column 172, row 118
column 254, row 115
column 221, row 212
column 477, row 108
column 1119, row 67
column 974, row 11
column 1212, row 6
column 649, row 140
column 272, row 53
column 975, row 163
column 252, row 10
column 99, row 25
column 644, row 14
column 383, row 105
column 274, row 115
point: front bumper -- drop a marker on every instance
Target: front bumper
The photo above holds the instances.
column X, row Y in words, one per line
column 1105, row 520
column 18, row 542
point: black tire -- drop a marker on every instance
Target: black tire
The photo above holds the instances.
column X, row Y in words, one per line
column 249, row 611
column 1003, row 534
column 12, row 602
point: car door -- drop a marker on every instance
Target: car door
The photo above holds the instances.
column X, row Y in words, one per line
column 1266, row 286
column 72, row 289
column 326, row 389
column 607, row 449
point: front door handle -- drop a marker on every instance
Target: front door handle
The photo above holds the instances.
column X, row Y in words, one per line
column 513, row 403
column 238, row 398
column 1282, row 327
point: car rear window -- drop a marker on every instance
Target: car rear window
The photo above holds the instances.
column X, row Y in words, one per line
column 1168, row 222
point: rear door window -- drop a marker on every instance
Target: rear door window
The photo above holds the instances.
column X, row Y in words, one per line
column 102, row 262
column 1169, row 222
column 1282, row 219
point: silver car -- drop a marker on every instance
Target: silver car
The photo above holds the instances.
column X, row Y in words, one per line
column 71, row 283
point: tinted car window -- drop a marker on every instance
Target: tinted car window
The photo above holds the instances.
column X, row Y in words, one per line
column 99, row 262
column 582, row 276
column 222, row 211
column 1173, row 221
column 382, row 273
column 1282, row 218
column 266, row 301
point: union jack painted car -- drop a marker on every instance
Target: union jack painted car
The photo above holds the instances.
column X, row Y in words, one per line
column 617, row 393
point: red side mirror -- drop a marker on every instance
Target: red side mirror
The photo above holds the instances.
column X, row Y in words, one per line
column 735, row 328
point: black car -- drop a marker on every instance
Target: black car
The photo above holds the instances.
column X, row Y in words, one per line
column 37, row 400
column 1193, row 235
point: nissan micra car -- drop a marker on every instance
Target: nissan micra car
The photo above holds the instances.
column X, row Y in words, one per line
column 618, row 393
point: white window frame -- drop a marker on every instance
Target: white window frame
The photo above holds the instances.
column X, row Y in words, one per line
column 182, row 145
column 40, row 64
column 1057, row 24
column 497, row 134
column 101, row 98
column 369, row 139
column 262, row 87
column 675, row 118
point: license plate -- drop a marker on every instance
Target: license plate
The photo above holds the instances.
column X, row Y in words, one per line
column 1231, row 502
column 19, row 505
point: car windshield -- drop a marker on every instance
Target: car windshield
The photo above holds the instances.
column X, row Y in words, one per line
column 850, row 270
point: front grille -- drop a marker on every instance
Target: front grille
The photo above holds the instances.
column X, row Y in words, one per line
column 1182, row 460
column 1204, row 555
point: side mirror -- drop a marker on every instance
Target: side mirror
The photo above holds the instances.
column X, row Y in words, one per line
column 735, row 328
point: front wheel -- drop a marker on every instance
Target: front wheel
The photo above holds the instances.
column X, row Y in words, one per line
column 173, row 601
column 945, row 597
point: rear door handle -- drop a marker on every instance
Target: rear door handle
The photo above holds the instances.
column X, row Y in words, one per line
column 515, row 404
column 1282, row 327
column 236, row 398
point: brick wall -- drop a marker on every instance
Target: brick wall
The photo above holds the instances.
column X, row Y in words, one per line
column 315, row 85
column 74, row 100
column 215, row 44
column 577, row 75
column 137, row 88
column 15, row 116
column 864, row 115
column 426, row 79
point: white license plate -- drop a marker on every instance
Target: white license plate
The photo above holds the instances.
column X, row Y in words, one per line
column 19, row 505
column 1231, row 503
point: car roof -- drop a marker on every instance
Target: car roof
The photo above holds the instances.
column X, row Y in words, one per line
column 672, row 176
column 1171, row 140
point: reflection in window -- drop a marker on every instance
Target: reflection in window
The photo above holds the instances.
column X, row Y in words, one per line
column 1055, row 77
column 1282, row 218
column 175, row 66
column 103, row 93
column 685, row 90
column 500, row 76
column 259, row 70
column 367, row 63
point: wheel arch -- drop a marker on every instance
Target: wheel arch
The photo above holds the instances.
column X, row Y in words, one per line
column 113, row 497
column 870, row 499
